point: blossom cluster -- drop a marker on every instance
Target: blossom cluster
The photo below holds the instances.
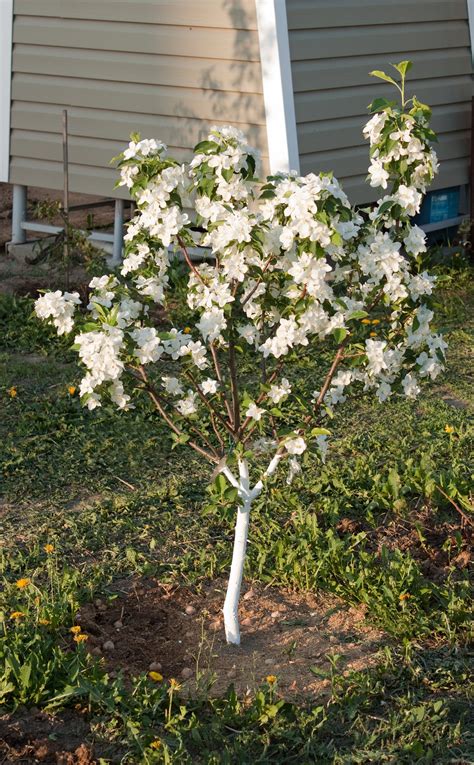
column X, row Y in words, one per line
column 290, row 265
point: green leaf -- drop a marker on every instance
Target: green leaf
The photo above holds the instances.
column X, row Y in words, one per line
column 382, row 76
column 379, row 104
column 320, row 432
column 204, row 147
column 339, row 334
column 403, row 67
column 319, row 672
column 357, row 315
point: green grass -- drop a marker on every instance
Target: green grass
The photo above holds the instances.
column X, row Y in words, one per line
column 370, row 526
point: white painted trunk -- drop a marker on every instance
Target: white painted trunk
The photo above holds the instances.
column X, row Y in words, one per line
column 247, row 496
column 231, row 603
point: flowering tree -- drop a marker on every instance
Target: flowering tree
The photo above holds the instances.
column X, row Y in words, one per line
column 292, row 266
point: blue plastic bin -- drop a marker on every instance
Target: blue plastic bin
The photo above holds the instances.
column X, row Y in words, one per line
column 439, row 205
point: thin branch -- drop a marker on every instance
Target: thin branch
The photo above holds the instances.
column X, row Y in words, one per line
column 221, row 381
column 213, row 412
column 234, row 385
column 189, row 261
column 258, row 283
column 152, row 392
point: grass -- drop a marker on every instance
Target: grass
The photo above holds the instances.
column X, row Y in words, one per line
column 380, row 524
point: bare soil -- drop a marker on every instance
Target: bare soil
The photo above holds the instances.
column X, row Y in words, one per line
column 283, row 634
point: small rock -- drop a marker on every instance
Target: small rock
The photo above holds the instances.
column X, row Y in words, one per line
column 275, row 614
column 216, row 625
column 96, row 651
column 118, row 624
column 155, row 666
column 248, row 595
column 98, row 602
column 108, row 646
column 333, row 639
column 188, row 634
column 268, row 661
column 247, row 622
column 190, row 610
column 232, row 673
column 186, row 673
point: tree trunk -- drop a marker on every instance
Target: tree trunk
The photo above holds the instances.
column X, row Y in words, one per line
column 231, row 603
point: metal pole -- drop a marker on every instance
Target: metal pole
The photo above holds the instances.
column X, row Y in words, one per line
column 19, row 214
column 118, row 232
column 66, row 197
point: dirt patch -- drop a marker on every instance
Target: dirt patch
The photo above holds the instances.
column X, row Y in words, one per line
column 180, row 634
column 32, row 736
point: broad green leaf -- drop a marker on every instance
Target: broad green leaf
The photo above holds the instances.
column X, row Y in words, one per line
column 382, row 76
column 403, row 67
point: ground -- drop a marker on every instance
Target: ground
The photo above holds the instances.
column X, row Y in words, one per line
column 355, row 607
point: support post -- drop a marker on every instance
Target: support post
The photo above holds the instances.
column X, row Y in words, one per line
column 118, row 232
column 19, row 214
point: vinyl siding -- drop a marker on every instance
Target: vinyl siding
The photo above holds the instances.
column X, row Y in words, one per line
column 169, row 70
column 333, row 46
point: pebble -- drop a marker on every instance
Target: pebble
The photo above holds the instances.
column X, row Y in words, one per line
column 188, row 634
column 96, row 651
column 248, row 595
column 190, row 610
column 215, row 625
column 186, row 673
column 275, row 614
column 232, row 673
column 108, row 646
column 333, row 639
column 247, row 622
column 118, row 625
column 268, row 661
column 155, row 666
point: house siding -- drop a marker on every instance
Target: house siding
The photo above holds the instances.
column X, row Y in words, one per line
column 333, row 46
column 169, row 70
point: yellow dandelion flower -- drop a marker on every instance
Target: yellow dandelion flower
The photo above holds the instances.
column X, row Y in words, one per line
column 71, row 389
column 12, row 392
column 48, row 548
column 404, row 596
column 22, row 583
column 375, row 321
column 76, row 629
column 373, row 334
column 80, row 638
column 44, row 622
column 16, row 614
column 174, row 685
column 187, row 330
column 271, row 679
column 155, row 676
column 155, row 744
column 365, row 321
column 449, row 429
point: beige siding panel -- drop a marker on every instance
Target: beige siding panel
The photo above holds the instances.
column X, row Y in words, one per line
column 83, row 179
column 177, row 102
column 177, row 71
column 322, row 74
column 117, row 125
column 91, row 152
column 355, row 160
column 345, row 102
column 334, row 45
column 332, row 134
column 239, row 14
column 454, row 173
column 169, row 70
column 301, row 13
column 239, row 45
column 377, row 40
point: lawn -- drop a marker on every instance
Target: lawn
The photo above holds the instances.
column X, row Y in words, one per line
column 356, row 630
